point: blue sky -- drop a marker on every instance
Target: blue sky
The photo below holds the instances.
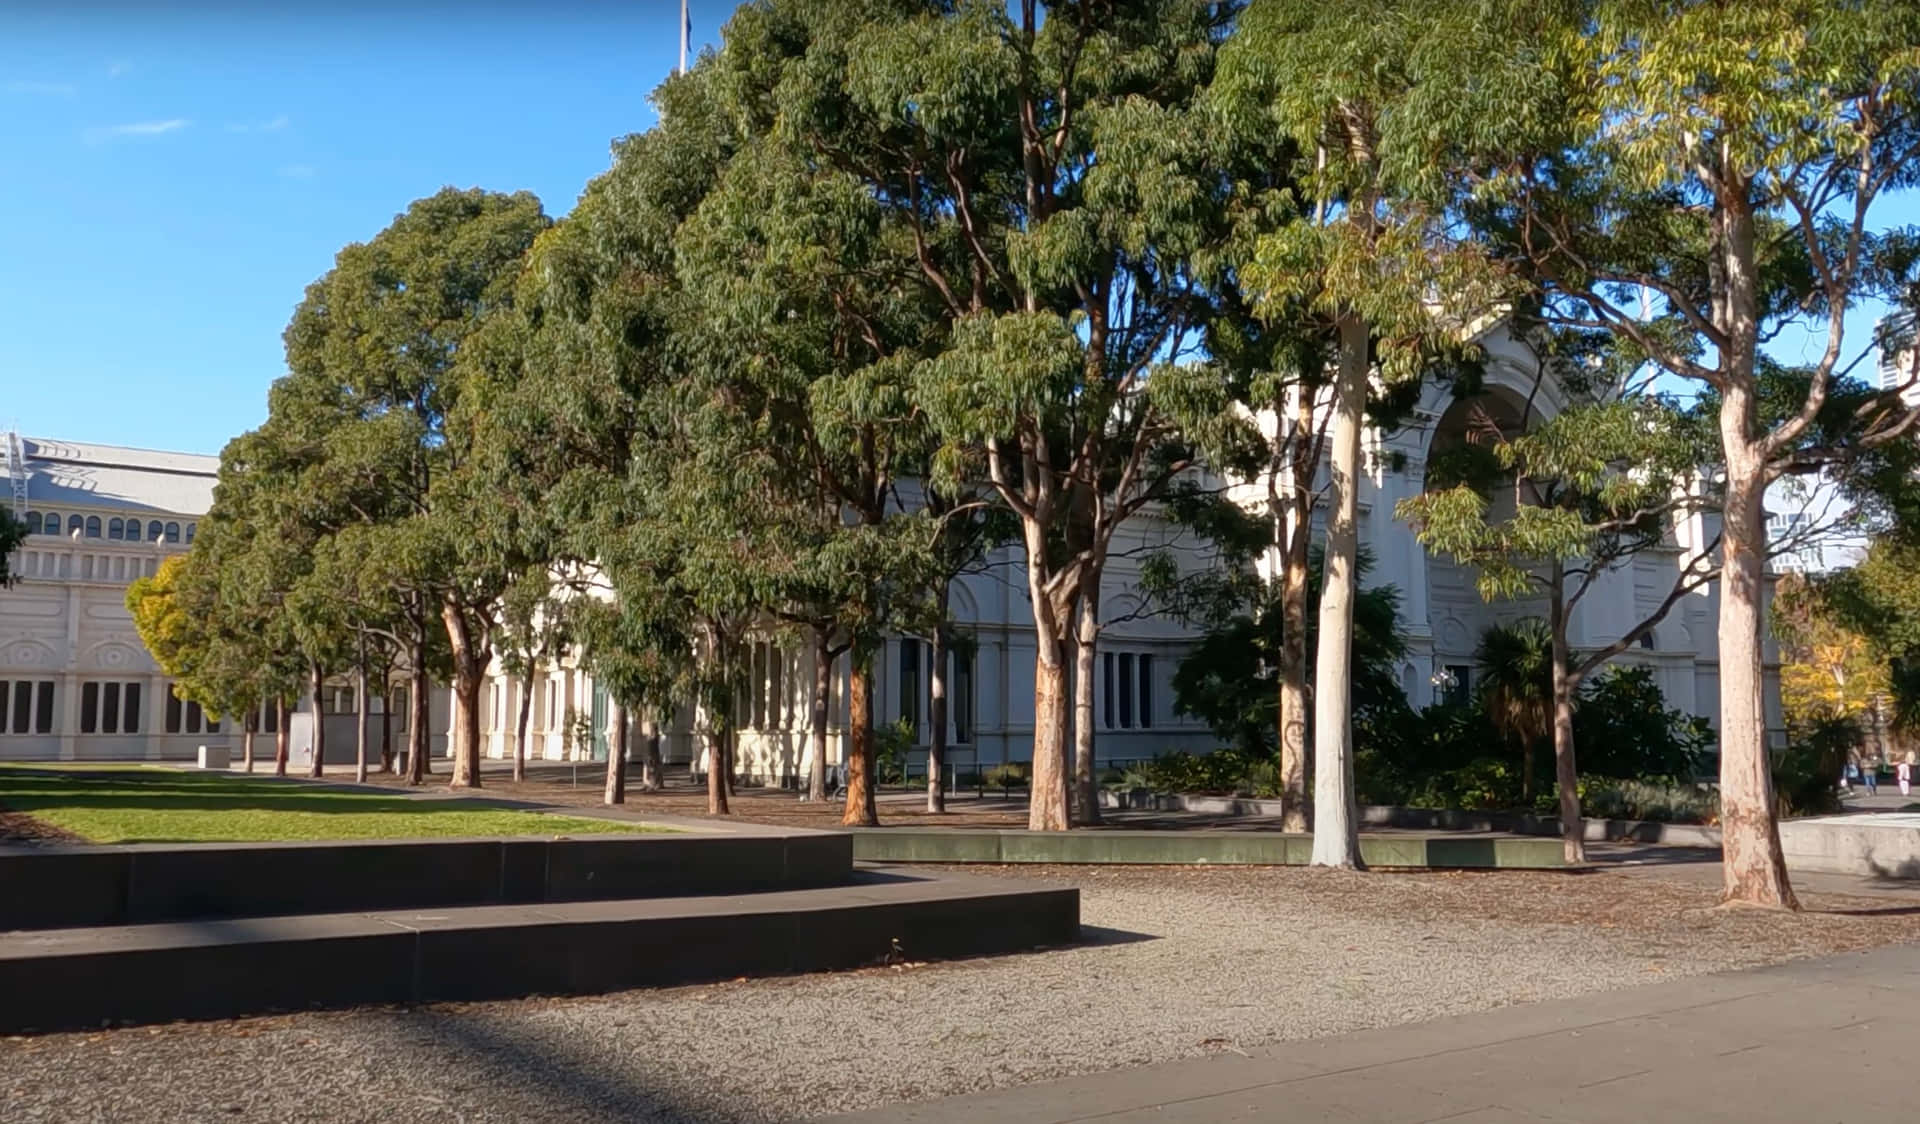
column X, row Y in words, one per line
column 175, row 176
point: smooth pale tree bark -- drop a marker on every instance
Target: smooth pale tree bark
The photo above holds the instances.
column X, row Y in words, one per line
column 316, row 686
column 1754, row 866
column 937, row 715
column 360, row 717
column 616, row 792
column 860, row 809
column 247, row 727
column 1294, row 575
column 649, row 753
column 1573, row 829
column 1086, row 642
column 819, row 704
column 1047, row 801
column 1336, row 840
column 469, row 674
column 388, row 763
column 280, row 749
column 520, row 722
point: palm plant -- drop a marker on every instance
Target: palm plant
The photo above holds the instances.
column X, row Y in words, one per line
column 1516, row 687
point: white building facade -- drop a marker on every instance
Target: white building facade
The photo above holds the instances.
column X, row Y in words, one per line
column 76, row 683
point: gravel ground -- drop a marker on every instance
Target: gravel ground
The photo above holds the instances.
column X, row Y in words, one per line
column 1180, row 962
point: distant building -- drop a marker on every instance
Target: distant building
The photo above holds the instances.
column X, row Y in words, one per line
column 75, row 681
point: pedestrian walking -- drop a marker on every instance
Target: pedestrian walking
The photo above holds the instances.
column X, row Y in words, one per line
column 1870, row 776
column 1848, row 774
column 1903, row 773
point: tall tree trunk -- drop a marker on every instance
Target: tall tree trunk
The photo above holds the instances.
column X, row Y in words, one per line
column 617, row 756
column 649, row 752
column 716, row 771
column 281, row 722
column 360, row 715
column 937, row 711
column 469, row 668
column 387, row 762
column 732, row 744
column 520, row 726
column 1573, row 829
column 819, row 705
column 247, row 729
column 1086, row 798
column 1294, row 575
column 316, row 686
column 860, row 810
column 419, row 715
column 1336, row 840
column 1755, row 869
column 1047, row 805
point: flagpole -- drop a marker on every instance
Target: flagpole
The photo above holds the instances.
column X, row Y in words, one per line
column 686, row 32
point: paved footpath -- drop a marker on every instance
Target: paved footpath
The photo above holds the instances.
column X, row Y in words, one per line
column 1811, row 1041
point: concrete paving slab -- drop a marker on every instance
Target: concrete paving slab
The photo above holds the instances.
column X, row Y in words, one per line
column 1804, row 1041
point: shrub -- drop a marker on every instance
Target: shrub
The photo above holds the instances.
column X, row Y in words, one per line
column 1013, row 774
column 891, row 744
column 1670, row 802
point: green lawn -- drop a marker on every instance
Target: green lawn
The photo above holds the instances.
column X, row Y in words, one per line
column 135, row 804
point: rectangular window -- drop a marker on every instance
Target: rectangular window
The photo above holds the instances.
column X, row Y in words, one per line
column 130, row 717
column 6, row 697
column 109, row 708
column 1107, row 691
column 22, row 706
column 193, row 718
column 776, row 702
column 173, row 711
column 910, row 682
column 962, row 698
column 1146, row 692
column 89, row 707
column 43, row 708
column 1126, row 690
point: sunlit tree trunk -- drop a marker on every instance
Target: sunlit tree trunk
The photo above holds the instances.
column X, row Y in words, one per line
column 419, row 717
column 1086, row 797
column 247, row 729
column 937, row 711
column 1573, row 829
column 1298, row 532
column 360, row 716
column 616, row 792
column 316, row 686
column 649, row 753
column 469, row 670
column 1336, row 840
column 860, row 809
column 281, row 722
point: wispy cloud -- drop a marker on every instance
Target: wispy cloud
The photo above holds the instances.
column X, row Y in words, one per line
column 273, row 126
column 45, row 89
column 116, row 69
column 139, row 129
column 297, row 171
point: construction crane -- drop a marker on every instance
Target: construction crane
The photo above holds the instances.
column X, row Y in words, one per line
column 17, row 473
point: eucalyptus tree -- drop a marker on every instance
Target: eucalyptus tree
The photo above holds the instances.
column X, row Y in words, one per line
column 377, row 350
column 532, row 636
column 1550, row 509
column 1389, row 103
column 1718, row 186
column 1042, row 182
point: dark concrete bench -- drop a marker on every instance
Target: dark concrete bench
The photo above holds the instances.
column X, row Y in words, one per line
column 1192, row 847
column 76, row 978
column 56, row 887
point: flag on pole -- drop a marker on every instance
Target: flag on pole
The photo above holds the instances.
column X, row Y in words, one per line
column 686, row 34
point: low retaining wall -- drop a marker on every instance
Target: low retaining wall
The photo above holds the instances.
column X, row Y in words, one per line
column 1879, row 845
column 82, row 978
column 1424, row 819
column 1189, row 848
column 55, row 887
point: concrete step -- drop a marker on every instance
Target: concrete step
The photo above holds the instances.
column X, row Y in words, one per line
column 1185, row 846
column 87, row 977
column 68, row 886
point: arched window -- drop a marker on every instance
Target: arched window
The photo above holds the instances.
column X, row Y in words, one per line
column 33, row 522
column 52, row 525
column 116, row 529
column 75, row 524
column 190, row 528
column 173, row 532
column 93, row 526
column 153, row 531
